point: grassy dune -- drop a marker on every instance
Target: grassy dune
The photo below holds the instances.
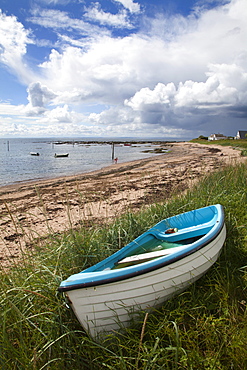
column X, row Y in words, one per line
column 204, row 327
column 240, row 144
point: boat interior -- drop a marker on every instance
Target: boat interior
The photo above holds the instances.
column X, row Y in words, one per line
column 157, row 244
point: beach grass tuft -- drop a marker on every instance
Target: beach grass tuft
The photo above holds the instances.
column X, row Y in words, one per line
column 205, row 327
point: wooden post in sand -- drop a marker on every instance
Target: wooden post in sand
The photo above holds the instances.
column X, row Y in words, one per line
column 112, row 155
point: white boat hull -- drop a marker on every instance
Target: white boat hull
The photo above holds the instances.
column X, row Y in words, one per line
column 106, row 308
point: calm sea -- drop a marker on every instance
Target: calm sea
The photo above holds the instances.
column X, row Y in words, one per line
column 18, row 165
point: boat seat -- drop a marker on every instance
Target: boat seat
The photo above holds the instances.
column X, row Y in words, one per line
column 182, row 233
column 149, row 255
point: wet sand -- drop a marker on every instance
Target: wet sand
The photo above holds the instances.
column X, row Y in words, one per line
column 30, row 211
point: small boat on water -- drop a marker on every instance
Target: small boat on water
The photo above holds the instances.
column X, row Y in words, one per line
column 61, row 155
column 34, row 153
column 155, row 266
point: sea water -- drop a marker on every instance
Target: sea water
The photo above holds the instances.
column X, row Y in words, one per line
column 18, row 165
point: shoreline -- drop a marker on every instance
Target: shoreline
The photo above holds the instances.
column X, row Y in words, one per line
column 42, row 181
column 74, row 167
column 31, row 211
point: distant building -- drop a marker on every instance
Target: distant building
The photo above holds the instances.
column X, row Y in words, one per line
column 216, row 137
column 241, row 135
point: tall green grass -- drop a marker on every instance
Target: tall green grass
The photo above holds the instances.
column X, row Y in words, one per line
column 204, row 327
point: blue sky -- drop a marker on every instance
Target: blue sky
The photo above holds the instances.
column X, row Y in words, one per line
column 123, row 68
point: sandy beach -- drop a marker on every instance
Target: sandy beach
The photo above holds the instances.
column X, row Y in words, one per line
column 33, row 210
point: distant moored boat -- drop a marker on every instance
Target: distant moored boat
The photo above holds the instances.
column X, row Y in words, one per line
column 61, row 155
column 34, row 153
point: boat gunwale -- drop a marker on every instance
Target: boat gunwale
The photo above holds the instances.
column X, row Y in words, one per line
column 160, row 263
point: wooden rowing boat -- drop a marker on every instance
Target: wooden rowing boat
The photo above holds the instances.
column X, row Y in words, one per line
column 158, row 264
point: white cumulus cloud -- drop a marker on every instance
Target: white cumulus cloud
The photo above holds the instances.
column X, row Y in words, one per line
column 38, row 96
column 226, row 87
column 14, row 39
column 130, row 5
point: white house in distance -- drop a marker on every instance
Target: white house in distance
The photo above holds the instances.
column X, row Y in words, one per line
column 217, row 137
column 241, row 135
